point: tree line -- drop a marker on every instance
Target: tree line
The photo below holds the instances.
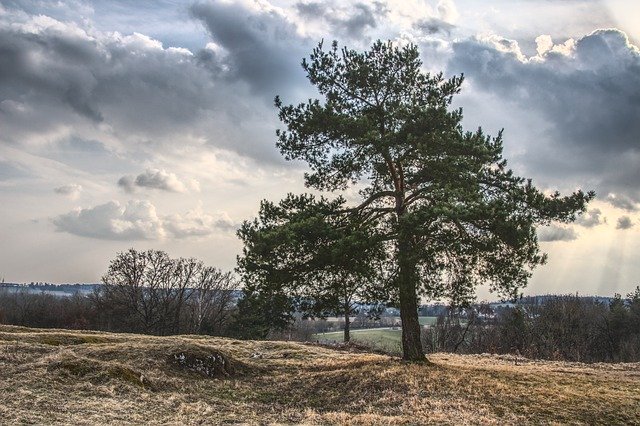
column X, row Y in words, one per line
column 143, row 292
column 568, row 328
column 149, row 292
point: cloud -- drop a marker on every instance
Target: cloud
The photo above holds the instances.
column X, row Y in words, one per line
column 196, row 223
column 127, row 183
column 433, row 26
column 133, row 95
column 347, row 20
column 622, row 202
column 624, row 222
column 591, row 218
column 139, row 220
column 556, row 233
column 578, row 101
column 72, row 190
column 158, row 179
column 448, row 11
column 261, row 45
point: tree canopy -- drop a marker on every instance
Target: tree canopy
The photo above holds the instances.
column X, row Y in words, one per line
column 440, row 199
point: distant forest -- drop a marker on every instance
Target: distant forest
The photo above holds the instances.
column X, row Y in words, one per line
column 571, row 328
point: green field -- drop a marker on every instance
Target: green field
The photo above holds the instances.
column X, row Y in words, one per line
column 428, row 320
column 389, row 340
column 423, row 320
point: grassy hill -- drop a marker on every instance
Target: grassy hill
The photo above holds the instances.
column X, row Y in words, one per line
column 58, row 376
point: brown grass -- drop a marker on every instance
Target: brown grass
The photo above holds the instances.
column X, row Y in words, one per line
column 67, row 377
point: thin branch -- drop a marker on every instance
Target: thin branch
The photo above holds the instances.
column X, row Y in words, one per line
column 370, row 200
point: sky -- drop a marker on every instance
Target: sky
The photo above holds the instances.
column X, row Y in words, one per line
column 150, row 124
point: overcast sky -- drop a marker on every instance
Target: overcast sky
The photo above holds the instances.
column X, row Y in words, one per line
column 150, row 124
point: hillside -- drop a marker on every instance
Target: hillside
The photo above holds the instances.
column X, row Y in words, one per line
column 59, row 376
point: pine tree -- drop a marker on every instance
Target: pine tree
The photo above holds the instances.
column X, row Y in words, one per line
column 454, row 215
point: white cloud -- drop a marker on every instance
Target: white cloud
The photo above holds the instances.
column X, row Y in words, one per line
column 157, row 179
column 556, row 233
column 139, row 220
column 543, row 44
column 197, row 223
column 448, row 11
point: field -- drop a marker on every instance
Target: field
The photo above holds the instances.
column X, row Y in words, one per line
column 67, row 377
column 427, row 320
column 387, row 339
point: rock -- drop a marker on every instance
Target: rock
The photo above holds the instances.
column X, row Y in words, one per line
column 213, row 364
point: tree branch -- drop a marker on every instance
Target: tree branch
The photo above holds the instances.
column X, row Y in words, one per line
column 369, row 200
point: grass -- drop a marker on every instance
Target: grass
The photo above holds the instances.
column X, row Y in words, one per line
column 428, row 320
column 388, row 340
column 102, row 378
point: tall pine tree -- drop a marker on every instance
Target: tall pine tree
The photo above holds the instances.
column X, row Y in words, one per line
column 443, row 198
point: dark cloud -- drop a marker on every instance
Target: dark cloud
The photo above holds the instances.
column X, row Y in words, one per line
column 61, row 82
column 127, row 183
column 347, row 20
column 556, row 233
column 624, row 222
column 622, row 202
column 591, row 218
column 581, row 100
column 49, row 65
column 132, row 80
column 433, row 26
column 259, row 45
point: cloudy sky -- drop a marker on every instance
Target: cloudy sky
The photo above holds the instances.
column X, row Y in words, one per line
column 150, row 124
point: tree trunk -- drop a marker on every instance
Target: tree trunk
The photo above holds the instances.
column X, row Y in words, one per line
column 407, row 283
column 347, row 324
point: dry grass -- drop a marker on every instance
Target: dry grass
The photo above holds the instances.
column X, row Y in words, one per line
column 66, row 377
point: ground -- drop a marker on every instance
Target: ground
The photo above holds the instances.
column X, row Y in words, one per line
column 66, row 377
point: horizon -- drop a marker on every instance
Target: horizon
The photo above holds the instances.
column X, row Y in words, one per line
column 130, row 125
column 423, row 303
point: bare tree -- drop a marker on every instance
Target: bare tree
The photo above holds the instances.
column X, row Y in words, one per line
column 211, row 300
column 139, row 285
column 153, row 293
